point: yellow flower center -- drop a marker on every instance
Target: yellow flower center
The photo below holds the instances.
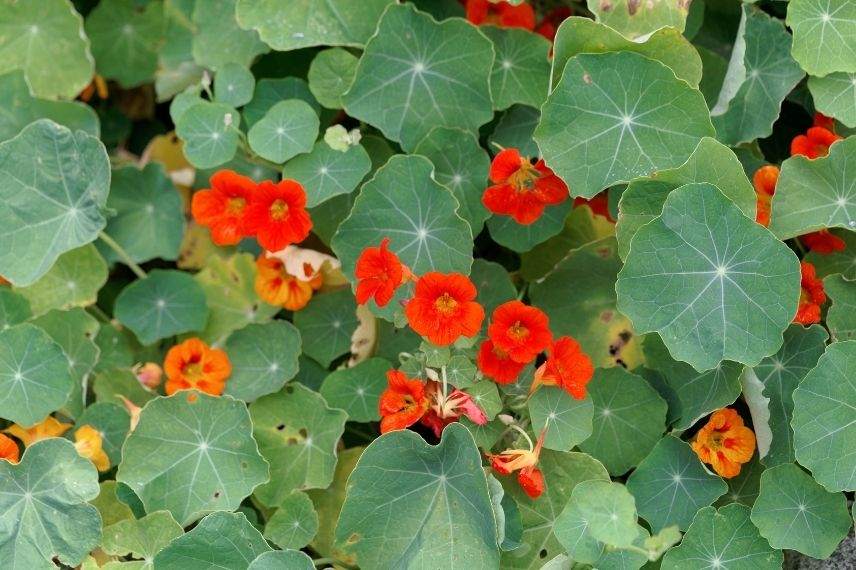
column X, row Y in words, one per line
column 517, row 331
column 279, row 209
column 523, row 180
column 445, row 304
column 235, row 205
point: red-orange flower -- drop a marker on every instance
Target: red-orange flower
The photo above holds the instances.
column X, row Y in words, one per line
column 814, row 143
column 725, row 443
column 821, row 120
column 522, row 190
column 530, row 478
column 443, row 308
column 599, row 205
column 379, row 272
column 567, row 367
column 501, row 14
column 812, row 296
column 549, row 25
column 823, row 242
column 194, row 365
column 278, row 214
column 9, row 449
column 276, row 286
column 521, row 331
column 403, row 403
column 495, row 364
column 765, row 180
column 223, row 207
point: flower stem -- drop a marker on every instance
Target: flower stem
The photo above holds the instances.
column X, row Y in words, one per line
column 99, row 312
column 123, row 255
column 526, row 435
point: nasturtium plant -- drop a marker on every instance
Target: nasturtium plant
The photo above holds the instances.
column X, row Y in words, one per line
column 465, row 284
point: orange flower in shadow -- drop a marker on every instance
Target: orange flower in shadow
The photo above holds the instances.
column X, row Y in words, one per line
column 567, row 367
column 403, row 403
column 501, row 14
column 812, row 295
column 275, row 286
column 725, row 443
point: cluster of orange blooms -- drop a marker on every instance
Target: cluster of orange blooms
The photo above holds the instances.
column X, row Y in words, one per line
column 87, row 440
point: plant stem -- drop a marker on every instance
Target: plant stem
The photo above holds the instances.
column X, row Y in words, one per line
column 99, row 312
column 123, row 255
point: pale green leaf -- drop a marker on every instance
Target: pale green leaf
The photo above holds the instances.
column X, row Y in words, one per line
column 53, row 189
column 515, row 128
column 279, row 559
column 271, row 91
column 835, row 96
column 671, row 484
column 111, row 509
column 357, row 389
column 220, row 540
column 328, row 502
column 234, row 85
column 417, row 73
column 288, row 128
column 521, row 68
column 795, row 512
column 209, row 132
column 634, row 18
column 73, row 281
column 326, row 173
column 567, row 421
column 326, row 325
column 714, row 284
column 602, row 510
column 604, row 107
column 824, row 35
column 141, row 538
column 191, row 454
column 298, row 434
column 14, row 308
column 219, row 40
column 294, row 523
column 330, row 75
column 263, row 357
column 841, row 317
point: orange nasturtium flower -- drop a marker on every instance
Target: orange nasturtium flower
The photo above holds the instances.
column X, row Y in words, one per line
column 567, row 367
column 9, row 449
column 501, row 14
column 521, row 331
column 223, row 207
column 379, row 272
column 814, row 143
column 278, row 214
column 520, row 189
column 194, row 365
column 530, row 478
column 812, row 295
column 764, row 180
column 89, row 444
column 821, row 120
column 725, row 443
column 48, row 427
column 277, row 287
column 823, row 242
column 443, row 308
column 495, row 364
column 403, row 403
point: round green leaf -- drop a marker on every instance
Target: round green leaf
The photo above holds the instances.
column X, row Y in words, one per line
column 711, row 162
column 780, row 374
column 629, row 419
column 229, row 286
column 294, row 523
column 604, row 107
column 634, row 19
column 210, row 133
column 288, row 128
column 233, row 85
column 73, row 281
column 835, row 96
column 113, row 422
column 191, row 454
column 35, row 379
column 587, row 310
column 447, row 499
column 111, row 509
column 110, row 383
column 125, row 39
column 606, row 510
column 164, row 304
column 824, row 35
column 46, row 40
column 461, row 165
column 14, row 308
column 667, row 45
column 521, row 68
column 330, row 75
column 326, row 325
column 219, row 40
column 45, row 516
column 22, row 109
column 841, row 317
column 278, row 559
column 815, row 194
column 568, row 421
column 298, row 434
column 671, row 484
column 759, row 77
column 493, row 283
column 714, row 284
column 723, row 538
column 794, row 512
column 326, row 173
column 419, row 216
column 522, row 238
column 270, row 91
column 823, row 422
column 357, row 389
column 417, row 73
column 744, row 487
column 220, row 540
column 149, row 220
column 263, row 357
column 141, row 538
column 514, row 130
column 53, row 189
column 693, row 394
column 297, row 24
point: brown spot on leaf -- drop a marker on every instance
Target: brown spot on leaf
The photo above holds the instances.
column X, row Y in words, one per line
column 586, row 78
column 353, row 539
column 633, row 6
column 605, row 5
column 606, row 316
